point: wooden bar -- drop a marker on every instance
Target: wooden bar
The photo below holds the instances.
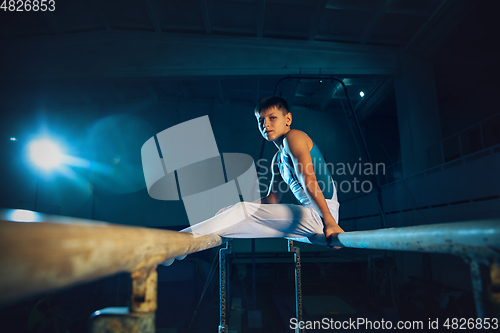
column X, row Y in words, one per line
column 40, row 253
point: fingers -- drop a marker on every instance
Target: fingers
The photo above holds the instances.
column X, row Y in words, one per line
column 329, row 241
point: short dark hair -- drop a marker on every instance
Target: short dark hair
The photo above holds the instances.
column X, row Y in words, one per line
column 272, row 101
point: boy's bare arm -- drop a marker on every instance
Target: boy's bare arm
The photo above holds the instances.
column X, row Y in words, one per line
column 295, row 144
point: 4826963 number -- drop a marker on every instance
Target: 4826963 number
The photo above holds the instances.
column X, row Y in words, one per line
column 28, row 5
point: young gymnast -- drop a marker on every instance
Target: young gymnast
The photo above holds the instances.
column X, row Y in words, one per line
column 303, row 168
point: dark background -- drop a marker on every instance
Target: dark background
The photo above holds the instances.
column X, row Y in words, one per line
column 102, row 77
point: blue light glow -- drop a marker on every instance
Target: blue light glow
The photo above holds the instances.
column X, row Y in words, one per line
column 362, row 94
column 45, row 154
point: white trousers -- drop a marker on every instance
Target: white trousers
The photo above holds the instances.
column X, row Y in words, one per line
column 252, row 220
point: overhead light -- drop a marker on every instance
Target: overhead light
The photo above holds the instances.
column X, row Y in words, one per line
column 362, row 94
column 45, row 154
column 13, row 139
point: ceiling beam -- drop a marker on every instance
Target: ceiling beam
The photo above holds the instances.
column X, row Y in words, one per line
column 234, row 31
column 336, row 38
column 429, row 20
column 437, row 11
column 316, row 18
column 206, row 17
column 94, row 7
column 376, row 18
column 152, row 10
column 287, row 34
column 261, row 16
column 100, row 55
column 335, row 5
column 443, row 24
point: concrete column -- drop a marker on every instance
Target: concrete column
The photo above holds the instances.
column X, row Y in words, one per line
column 418, row 113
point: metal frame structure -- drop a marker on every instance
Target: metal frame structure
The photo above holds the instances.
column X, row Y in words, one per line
column 477, row 242
column 223, row 287
column 298, row 283
column 41, row 253
column 93, row 250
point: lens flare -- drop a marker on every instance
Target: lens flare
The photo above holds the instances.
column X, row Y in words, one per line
column 45, row 154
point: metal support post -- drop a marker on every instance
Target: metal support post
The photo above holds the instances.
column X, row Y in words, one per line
column 223, row 287
column 140, row 317
column 298, row 283
column 485, row 281
column 479, row 288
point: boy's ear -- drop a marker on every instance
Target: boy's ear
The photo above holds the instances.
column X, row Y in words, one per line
column 289, row 117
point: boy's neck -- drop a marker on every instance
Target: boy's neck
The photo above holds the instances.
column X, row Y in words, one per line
column 279, row 142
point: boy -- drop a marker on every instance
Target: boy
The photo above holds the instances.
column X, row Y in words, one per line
column 297, row 161
column 300, row 164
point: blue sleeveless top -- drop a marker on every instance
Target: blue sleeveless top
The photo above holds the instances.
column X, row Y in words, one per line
column 323, row 176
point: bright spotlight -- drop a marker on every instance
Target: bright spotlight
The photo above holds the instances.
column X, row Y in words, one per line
column 13, row 139
column 362, row 94
column 21, row 215
column 45, row 154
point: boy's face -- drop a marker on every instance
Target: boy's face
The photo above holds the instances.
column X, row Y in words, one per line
column 272, row 123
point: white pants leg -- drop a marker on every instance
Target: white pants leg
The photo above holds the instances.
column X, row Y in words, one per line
column 251, row 220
